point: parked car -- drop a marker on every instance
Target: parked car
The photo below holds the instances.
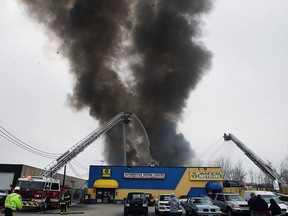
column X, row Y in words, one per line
column 135, row 203
column 201, row 206
column 283, row 198
column 162, row 204
column 233, row 183
column 183, row 199
column 207, row 197
column 150, row 199
column 231, row 204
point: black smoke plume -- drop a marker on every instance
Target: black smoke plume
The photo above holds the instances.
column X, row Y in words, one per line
column 140, row 56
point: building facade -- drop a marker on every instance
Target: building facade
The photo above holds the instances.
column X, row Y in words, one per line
column 112, row 183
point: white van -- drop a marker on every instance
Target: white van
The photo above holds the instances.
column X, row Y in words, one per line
column 267, row 195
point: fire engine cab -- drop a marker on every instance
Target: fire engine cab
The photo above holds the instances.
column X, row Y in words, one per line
column 38, row 191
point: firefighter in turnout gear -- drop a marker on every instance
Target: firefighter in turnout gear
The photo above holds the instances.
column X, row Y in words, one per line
column 67, row 197
column 63, row 205
column 13, row 202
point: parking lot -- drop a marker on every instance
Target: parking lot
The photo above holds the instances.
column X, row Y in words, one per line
column 84, row 209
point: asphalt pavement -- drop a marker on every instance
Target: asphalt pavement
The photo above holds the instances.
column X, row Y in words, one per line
column 81, row 209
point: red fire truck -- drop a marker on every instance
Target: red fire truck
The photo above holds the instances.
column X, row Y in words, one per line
column 43, row 191
column 39, row 191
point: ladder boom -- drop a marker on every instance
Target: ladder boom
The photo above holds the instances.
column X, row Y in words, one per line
column 63, row 159
column 256, row 160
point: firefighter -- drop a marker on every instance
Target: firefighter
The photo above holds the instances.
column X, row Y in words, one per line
column 67, row 197
column 63, row 205
column 13, row 202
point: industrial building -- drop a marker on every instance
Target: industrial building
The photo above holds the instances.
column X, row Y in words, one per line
column 112, row 183
column 9, row 174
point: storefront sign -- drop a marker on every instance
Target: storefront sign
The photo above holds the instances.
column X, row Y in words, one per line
column 205, row 176
column 144, row 175
column 106, row 173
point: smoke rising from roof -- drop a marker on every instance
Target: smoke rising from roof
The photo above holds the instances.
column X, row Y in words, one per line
column 140, row 56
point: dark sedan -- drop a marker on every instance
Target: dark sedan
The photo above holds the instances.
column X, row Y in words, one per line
column 135, row 203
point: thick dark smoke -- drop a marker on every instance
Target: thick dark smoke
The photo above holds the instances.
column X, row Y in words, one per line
column 140, row 56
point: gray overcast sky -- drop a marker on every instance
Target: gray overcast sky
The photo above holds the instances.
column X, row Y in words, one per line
column 244, row 93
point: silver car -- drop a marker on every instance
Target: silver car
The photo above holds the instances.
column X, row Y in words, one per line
column 201, row 206
column 232, row 204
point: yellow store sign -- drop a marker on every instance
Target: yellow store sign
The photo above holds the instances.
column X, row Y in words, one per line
column 216, row 176
column 106, row 173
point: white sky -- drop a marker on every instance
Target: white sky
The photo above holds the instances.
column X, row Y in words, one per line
column 244, row 93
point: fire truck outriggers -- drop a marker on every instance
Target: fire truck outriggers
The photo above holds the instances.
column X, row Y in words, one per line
column 44, row 191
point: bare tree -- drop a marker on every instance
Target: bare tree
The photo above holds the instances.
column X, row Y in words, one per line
column 283, row 169
column 238, row 172
column 197, row 162
column 260, row 178
column 252, row 176
column 226, row 164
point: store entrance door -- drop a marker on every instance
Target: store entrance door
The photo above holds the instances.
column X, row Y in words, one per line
column 105, row 195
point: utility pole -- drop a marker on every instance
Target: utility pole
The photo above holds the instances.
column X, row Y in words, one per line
column 63, row 184
column 124, row 145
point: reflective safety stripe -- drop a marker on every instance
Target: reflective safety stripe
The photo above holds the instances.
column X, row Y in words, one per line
column 30, row 204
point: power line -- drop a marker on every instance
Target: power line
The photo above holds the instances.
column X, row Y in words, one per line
column 75, row 171
column 80, row 165
column 18, row 142
column 25, row 147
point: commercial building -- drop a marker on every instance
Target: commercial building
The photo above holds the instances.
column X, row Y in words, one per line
column 112, row 183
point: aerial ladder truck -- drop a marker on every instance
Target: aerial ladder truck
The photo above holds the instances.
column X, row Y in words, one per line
column 273, row 175
column 43, row 191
